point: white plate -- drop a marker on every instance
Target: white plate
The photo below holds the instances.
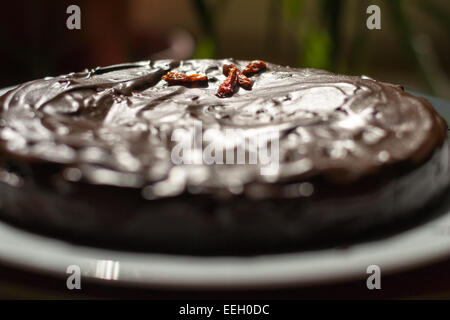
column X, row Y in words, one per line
column 423, row 244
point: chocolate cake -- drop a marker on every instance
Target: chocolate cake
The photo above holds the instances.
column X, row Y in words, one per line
column 89, row 157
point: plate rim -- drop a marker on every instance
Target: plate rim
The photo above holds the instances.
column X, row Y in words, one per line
column 391, row 254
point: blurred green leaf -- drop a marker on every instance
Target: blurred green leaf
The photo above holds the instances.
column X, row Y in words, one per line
column 331, row 11
column 204, row 14
column 355, row 57
column 405, row 36
column 206, row 49
column 292, row 9
column 317, row 49
column 206, row 45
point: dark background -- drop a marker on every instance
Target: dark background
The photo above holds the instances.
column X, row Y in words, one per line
column 412, row 48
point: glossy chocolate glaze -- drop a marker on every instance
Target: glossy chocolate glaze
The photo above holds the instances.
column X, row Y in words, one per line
column 92, row 152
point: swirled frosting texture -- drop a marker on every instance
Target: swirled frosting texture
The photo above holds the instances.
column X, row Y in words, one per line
column 114, row 125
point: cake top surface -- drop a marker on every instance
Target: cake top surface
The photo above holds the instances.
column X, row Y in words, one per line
column 123, row 125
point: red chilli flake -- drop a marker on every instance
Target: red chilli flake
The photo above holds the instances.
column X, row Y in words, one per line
column 234, row 75
column 182, row 78
column 226, row 89
column 243, row 81
column 254, row 67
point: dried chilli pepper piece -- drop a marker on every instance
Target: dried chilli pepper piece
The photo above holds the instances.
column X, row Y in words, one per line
column 254, row 67
column 243, row 81
column 226, row 89
column 227, row 67
column 182, row 78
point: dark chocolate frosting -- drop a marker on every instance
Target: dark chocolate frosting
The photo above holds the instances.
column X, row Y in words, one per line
column 107, row 133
